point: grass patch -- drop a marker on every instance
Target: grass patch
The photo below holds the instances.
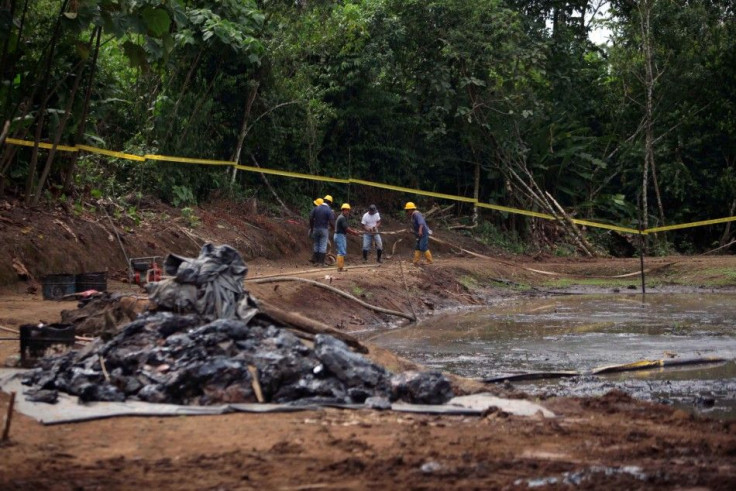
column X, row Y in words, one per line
column 716, row 277
column 599, row 282
column 468, row 282
column 360, row 292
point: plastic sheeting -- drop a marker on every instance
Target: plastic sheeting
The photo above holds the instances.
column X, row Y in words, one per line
column 210, row 285
column 69, row 410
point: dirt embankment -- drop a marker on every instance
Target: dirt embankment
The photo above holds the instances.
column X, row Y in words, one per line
column 611, row 442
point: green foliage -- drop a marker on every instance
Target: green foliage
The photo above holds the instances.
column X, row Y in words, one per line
column 190, row 218
column 182, row 196
column 489, row 234
column 408, row 92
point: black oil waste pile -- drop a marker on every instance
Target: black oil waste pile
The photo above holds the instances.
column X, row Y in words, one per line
column 192, row 359
column 165, row 357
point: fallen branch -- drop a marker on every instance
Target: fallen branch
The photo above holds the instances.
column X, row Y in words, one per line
column 192, row 237
column 550, row 273
column 21, row 270
column 462, row 227
column 719, row 248
column 339, row 292
column 437, row 210
column 576, row 234
column 311, row 326
column 393, row 248
column 2, row 328
column 306, row 271
column 439, row 241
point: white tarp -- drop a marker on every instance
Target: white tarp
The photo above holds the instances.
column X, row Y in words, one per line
column 69, row 410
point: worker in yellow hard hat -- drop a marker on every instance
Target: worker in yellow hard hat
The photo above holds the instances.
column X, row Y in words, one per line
column 342, row 228
column 421, row 232
column 321, row 219
column 316, row 202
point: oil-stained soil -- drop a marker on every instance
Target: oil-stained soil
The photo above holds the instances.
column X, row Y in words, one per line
column 608, row 442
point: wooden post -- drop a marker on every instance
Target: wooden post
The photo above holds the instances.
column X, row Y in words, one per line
column 641, row 260
column 8, row 417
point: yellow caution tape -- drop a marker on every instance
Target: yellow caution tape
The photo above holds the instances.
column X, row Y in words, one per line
column 110, row 153
column 609, row 227
column 299, row 175
column 516, row 211
column 186, row 160
column 413, row 191
column 691, row 224
column 26, row 143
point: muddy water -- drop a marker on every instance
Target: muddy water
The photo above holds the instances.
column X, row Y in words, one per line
column 583, row 332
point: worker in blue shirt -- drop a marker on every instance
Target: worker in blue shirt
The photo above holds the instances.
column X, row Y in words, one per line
column 320, row 221
column 342, row 229
column 421, row 232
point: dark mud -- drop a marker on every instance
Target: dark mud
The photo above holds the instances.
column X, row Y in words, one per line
column 581, row 333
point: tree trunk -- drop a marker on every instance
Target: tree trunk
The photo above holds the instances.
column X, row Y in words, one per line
column 195, row 112
column 184, row 88
column 476, row 192
column 244, row 128
column 83, row 120
column 645, row 8
column 62, row 126
column 3, row 58
column 41, row 116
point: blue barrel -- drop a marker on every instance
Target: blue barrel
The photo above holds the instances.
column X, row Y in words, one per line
column 55, row 286
column 92, row 281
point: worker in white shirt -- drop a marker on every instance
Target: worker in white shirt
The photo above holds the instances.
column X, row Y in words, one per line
column 371, row 221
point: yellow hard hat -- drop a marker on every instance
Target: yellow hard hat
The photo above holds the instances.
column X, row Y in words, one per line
column 318, row 201
column 345, row 206
column 410, row 206
column 328, row 198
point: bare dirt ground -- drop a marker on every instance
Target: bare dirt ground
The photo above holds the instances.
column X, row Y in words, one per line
column 612, row 442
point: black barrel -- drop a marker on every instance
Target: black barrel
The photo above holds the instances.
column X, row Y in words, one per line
column 92, row 281
column 55, row 286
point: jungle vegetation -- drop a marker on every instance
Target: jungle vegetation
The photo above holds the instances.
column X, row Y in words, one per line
column 507, row 101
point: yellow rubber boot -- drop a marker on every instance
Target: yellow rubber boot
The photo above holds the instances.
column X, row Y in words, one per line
column 417, row 256
column 340, row 262
column 428, row 256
